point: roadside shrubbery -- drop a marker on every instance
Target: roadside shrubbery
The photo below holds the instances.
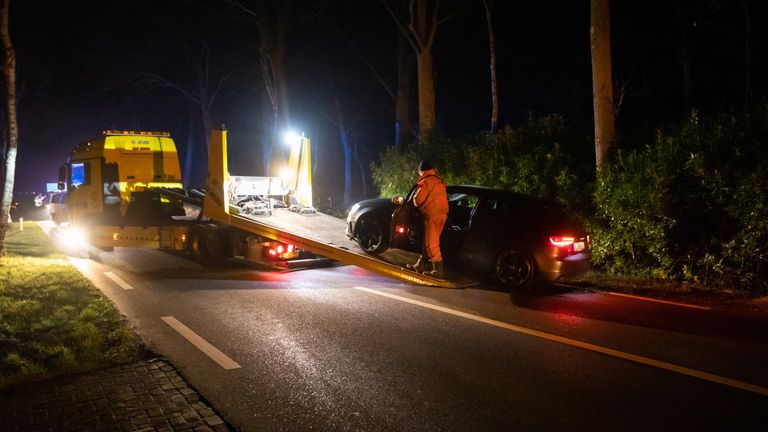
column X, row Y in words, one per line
column 687, row 203
column 543, row 158
column 691, row 204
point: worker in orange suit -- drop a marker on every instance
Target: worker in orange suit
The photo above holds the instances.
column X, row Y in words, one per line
column 432, row 201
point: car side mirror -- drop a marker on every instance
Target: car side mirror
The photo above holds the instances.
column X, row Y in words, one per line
column 62, row 178
column 397, row 199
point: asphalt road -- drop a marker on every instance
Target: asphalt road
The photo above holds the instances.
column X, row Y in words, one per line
column 342, row 349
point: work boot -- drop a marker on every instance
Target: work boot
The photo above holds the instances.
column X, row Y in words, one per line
column 419, row 266
column 437, row 270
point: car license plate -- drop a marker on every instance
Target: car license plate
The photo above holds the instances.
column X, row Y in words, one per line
column 578, row 246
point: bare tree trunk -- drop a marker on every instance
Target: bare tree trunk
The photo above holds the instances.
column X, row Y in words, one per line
column 420, row 32
column 189, row 156
column 360, row 166
column 344, row 138
column 9, row 72
column 424, row 29
column 602, row 87
column 206, row 98
column 426, row 92
column 205, row 114
column 492, row 46
column 273, row 32
column 747, row 53
column 685, row 56
column 403, row 96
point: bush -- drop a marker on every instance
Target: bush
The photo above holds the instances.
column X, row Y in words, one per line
column 542, row 158
column 690, row 205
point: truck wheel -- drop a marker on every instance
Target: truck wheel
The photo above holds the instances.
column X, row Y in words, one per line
column 205, row 248
column 198, row 247
column 214, row 247
column 371, row 235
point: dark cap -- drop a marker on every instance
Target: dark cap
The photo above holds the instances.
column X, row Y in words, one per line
column 425, row 165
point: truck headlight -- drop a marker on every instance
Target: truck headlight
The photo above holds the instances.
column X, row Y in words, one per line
column 72, row 237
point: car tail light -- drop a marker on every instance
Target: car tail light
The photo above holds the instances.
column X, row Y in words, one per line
column 561, row 242
column 563, row 246
column 400, row 229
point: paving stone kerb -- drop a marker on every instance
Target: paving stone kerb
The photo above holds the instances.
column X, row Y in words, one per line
column 144, row 396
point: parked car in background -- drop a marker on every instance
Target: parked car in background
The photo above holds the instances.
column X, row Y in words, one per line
column 515, row 238
column 57, row 207
column 28, row 205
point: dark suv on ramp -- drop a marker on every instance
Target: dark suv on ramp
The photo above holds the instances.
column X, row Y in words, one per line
column 515, row 238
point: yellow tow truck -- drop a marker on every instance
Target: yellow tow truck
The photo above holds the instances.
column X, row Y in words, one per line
column 124, row 189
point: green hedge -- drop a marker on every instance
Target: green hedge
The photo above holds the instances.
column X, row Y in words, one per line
column 687, row 202
column 691, row 204
column 543, row 158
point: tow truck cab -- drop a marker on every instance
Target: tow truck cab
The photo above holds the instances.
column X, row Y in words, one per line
column 103, row 172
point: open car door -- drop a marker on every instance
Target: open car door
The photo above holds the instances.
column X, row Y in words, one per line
column 407, row 228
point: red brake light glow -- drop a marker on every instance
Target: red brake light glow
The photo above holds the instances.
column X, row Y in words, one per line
column 276, row 250
column 561, row 242
column 400, row 229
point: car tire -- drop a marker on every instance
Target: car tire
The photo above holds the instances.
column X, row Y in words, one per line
column 371, row 234
column 514, row 269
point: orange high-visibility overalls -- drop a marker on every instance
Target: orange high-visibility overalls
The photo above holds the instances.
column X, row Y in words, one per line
column 432, row 201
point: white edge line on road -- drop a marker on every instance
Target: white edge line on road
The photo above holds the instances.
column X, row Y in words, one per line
column 583, row 345
column 659, row 301
column 211, row 351
column 115, row 278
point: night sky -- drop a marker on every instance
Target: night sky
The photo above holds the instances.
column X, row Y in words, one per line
column 78, row 66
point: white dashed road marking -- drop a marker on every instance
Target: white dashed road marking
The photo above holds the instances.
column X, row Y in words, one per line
column 123, row 284
column 583, row 345
column 211, row 351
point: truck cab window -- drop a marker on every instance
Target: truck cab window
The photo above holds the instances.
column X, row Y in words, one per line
column 81, row 174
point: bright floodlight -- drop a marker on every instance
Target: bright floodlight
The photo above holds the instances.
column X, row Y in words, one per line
column 286, row 175
column 292, row 138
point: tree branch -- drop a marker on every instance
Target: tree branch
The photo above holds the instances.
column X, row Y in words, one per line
column 401, row 26
column 219, row 86
column 160, row 81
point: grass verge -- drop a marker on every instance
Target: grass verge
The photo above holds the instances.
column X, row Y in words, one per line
column 53, row 321
column 670, row 290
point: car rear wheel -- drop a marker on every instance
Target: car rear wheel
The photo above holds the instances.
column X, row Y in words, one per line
column 514, row 269
column 371, row 235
